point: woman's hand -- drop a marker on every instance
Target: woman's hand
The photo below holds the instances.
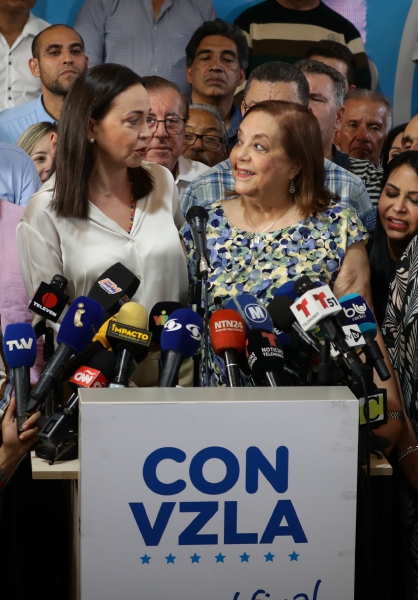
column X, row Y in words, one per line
column 15, row 447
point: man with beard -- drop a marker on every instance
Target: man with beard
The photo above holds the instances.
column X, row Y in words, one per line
column 58, row 59
column 205, row 139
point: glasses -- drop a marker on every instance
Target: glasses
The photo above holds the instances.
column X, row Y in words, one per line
column 172, row 126
column 209, row 142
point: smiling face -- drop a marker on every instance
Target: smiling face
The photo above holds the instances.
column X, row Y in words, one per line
column 215, row 72
column 260, row 165
column 363, row 129
column 121, row 137
column 43, row 156
column 398, row 208
column 165, row 148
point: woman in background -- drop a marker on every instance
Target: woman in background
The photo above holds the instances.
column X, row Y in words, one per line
column 39, row 142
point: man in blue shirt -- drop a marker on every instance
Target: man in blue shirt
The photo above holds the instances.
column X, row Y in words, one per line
column 279, row 81
column 217, row 56
column 58, row 59
column 19, row 178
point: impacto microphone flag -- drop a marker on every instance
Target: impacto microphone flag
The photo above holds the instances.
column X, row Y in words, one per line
column 78, row 327
column 19, row 344
column 180, row 339
column 116, row 286
column 253, row 313
column 228, row 336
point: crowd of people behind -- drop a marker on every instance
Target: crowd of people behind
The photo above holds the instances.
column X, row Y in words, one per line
column 105, row 146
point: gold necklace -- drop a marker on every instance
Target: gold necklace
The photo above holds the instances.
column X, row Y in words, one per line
column 257, row 234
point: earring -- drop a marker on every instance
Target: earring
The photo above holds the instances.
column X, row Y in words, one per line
column 292, row 188
column 91, row 140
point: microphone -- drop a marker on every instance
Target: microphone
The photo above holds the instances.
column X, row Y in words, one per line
column 19, row 344
column 78, row 327
column 129, row 339
column 265, row 356
column 253, row 313
column 197, row 218
column 116, row 286
column 159, row 316
column 228, row 337
column 318, row 307
column 61, row 426
column 48, row 302
column 180, row 339
column 284, row 320
column 358, row 312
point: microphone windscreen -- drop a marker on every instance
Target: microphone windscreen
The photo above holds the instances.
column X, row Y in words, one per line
column 104, row 362
column 303, row 284
column 227, row 331
column 116, row 286
column 19, row 344
column 197, row 211
column 264, row 353
column 182, row 332
column 133, row 314
column 80, row 323
column 254, row 315
column 159, row 316
column 358, row 312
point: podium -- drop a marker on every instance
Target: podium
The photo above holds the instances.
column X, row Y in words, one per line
column 226, row 493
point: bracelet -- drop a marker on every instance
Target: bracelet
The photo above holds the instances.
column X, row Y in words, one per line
column 396, row 414
column 407, row 451
column 3, row 476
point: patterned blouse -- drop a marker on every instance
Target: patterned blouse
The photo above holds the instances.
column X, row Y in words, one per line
column 260, row 263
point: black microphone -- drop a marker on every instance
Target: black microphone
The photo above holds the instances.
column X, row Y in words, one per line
column 197, row 218
column 285, row 320
column 116, row 286
column 48, row 302
column 158, row 317
column 265, row 356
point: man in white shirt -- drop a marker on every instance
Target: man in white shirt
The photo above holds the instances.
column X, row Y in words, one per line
column 18, row 27
column 167, row 121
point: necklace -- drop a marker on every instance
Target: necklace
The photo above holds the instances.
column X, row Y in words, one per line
column 257, row 234
column 131, row 220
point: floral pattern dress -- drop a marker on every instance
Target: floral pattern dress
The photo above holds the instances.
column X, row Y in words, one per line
column 400, row 332
column 260, row 264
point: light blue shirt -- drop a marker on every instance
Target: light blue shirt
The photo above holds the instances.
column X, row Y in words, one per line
column 126, row 32
column 14, row 121
column 19, row 179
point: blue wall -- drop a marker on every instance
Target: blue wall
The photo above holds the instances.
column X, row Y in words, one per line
column 385, row 24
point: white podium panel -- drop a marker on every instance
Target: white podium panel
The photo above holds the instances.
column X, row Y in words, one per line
column 219, row 494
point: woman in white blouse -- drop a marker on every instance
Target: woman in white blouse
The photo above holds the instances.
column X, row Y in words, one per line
column 103, row 206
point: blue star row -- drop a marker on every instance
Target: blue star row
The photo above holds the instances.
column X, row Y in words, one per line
column 220, row 558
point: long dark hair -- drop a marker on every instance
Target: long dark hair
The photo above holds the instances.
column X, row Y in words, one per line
column 301, row 139
column 387, row 145
column 90, row 97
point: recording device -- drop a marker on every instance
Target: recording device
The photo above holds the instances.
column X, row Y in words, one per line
column 253, row 313
column 358, row 312
column 197, row 218
column 61, row 428
column 19, row 344
column 48, row 302
column 265, row 356
column 78, row 327
column 228, row 337
column 130, row 339
column 180, row 339
column 116, row 286
column 158, row 317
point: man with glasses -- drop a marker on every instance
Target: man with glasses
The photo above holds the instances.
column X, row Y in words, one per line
column 167, row 122
column 205, row 139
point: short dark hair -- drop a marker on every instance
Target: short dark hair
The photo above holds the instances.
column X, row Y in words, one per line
column 330, row 49
column 90, row 97
column 153, row 83
column 280, row 72
column 387, row 144
column 363, row 94
column 36, row 42
column 219, row 27
column 315, row 67
column 301, row 140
